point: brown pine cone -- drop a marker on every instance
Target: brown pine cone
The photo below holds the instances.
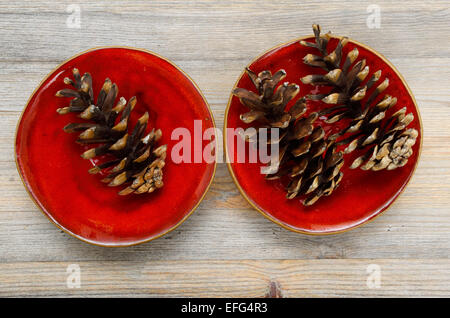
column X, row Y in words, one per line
column 354, row 98
column 137, row 159
column 306, row 157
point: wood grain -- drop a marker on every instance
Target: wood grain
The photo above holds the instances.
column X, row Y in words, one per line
column 226, row 248
column 242, row 278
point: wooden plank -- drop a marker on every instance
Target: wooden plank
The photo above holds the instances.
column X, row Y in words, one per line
column 218, row 30
column 419, row 73
column 243, row 278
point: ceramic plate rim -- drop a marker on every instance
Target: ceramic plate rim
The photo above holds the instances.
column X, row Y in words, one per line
column 364, row 221
column 49, row 215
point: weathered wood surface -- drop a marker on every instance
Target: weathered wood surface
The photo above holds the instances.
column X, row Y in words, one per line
column 226, row 248
column 228, row 278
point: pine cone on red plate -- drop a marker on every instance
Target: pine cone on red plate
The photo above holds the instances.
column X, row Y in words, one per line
column 138, row 161
column 306, row 157
column 379, row 132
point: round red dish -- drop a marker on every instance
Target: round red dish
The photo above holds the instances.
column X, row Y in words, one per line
column 362, row 195
column 57, row 178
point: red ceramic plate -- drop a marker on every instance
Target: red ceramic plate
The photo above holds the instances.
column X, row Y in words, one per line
column 362, row 195
column 57, row 179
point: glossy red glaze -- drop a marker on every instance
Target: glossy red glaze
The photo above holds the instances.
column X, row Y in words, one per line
column 56, row 176
column 362, row 194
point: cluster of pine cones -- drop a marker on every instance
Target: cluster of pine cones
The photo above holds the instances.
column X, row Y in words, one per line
column 311, row 160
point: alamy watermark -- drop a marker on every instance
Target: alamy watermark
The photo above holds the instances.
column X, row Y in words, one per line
column 198, row 145
column 374, row 276
column 74, row 276
column 373, row 20
column 73, row 21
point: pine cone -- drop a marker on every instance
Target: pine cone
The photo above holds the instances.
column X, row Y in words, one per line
column 369, row 126
column 137, row 161
column 308, row 159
